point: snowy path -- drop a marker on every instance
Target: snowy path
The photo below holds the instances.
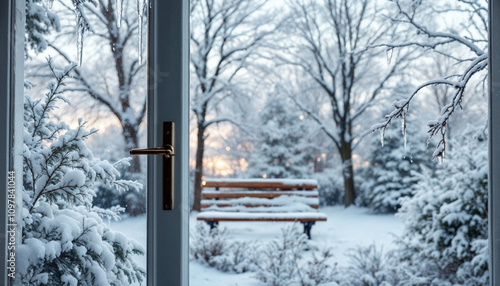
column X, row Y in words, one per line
column 345, row 229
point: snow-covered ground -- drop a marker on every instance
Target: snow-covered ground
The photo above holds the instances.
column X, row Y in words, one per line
column 346, row 228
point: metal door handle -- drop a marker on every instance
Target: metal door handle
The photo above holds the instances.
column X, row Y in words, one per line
column 167, row 150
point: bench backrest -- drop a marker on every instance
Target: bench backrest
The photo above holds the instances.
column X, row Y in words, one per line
column 282, row 184
column 257, row 195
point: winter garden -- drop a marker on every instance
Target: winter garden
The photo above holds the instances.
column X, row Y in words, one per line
column 381, row 102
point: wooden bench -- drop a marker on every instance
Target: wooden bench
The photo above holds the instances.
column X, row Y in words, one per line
column 260, row 200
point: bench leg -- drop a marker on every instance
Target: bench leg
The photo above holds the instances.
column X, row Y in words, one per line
column 307, row 228
column 212, row 224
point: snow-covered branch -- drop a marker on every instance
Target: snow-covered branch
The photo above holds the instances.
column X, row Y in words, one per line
column 472, row 36
column 323, row 125
column 437, row 126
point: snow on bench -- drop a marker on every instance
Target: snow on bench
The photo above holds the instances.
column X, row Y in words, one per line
column 292, row 200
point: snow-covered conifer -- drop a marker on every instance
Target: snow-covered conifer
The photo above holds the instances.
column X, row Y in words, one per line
column 446, row 222
column 39, row 22
column 390, row 175
column 64, row 239
column 282, row 149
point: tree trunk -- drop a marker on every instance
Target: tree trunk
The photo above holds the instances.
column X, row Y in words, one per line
column 135, row 201
column 130, row 135
column 348, row 173
column 198, row 171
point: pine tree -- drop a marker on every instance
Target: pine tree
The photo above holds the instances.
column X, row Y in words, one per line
column 282, row 150
column 390, row 175
column 445, row 241
column 64, row 239
column 39, row 23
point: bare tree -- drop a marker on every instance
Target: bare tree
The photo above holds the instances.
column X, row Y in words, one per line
column 225, row 35
column 455, row 29
column 116, row 91
column 330, row 43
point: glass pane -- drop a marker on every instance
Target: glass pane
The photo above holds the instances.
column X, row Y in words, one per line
column 84, row 196
column 298, row 175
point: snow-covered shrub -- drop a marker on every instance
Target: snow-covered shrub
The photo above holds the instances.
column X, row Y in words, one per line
column 318, row 269
column 205, row 244
column 330, row 187
column 283, row 261
column 371, row 267
column 237, row 259
column 213, row 248
column 390, row 175
column 64, row 239
column 446, row 226
column 277, row 264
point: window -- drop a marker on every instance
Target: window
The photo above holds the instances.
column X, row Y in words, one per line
column 168, row 240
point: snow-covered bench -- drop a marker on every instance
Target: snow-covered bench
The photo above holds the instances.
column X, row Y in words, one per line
column 261, row 200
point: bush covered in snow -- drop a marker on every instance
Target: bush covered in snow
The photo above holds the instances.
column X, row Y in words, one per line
column 288, row 260
column 446, row 227
column 64, row 240
column 212, row 247
column 370, row 266
column 283, row 262
column 330, row 186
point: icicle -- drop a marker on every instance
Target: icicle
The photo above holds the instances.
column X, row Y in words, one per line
column 50, row 3
column 403, row 130
column 79, row 44
column 440, row 160
column 388, row 53
column 119, row 12
column 140, row 6
column 382, row 137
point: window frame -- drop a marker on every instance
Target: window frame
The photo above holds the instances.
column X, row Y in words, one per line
column 168, row 100
column 5, row 141
column 11, row 101
column 494, row 142
column 167, row 249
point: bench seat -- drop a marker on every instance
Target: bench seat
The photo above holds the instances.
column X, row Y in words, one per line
column 260, row 200
column 251, row 216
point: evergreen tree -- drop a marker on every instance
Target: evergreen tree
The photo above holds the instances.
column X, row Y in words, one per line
column 39, row 23
column 64, row 239
column 282, row 150
column 390, row 175
column 445, row 241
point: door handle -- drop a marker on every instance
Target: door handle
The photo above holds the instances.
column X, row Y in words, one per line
column 167, row 151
